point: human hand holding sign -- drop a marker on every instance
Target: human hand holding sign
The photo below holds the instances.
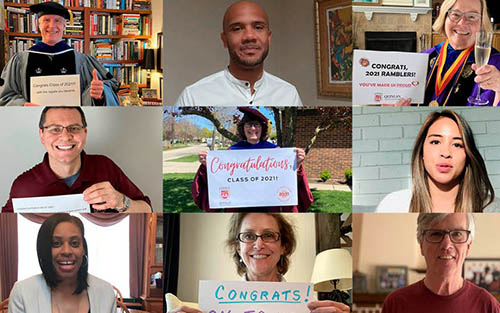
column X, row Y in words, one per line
column 301, row 155
column 327, row 306
column 103, row 196
column 96, row 86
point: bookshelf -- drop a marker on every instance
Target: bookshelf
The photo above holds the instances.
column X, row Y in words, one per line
column 120, row 50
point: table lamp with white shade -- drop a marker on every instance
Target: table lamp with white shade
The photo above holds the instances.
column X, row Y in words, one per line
column 332, row 273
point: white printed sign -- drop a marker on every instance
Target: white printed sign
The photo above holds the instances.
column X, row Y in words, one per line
column 254, row 297
column 55, row 90
column 252, row 178
column 52, row 204
column 381, row 77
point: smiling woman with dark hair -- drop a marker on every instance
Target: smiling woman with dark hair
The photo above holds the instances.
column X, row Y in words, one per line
column 64, row 285
column 448, row 172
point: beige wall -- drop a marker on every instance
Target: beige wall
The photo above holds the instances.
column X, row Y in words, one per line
column 203, row 254
column 192, row 38
column 395, row 242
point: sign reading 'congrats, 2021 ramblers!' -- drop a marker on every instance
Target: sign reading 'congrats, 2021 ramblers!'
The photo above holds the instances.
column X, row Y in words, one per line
column 381, row 77
column 252, row 178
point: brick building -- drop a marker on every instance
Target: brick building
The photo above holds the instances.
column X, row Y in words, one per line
column 332, row 150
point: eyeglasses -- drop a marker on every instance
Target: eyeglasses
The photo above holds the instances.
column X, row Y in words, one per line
column 268, row 236
column 470, row 17
column 252, row 124
column 437, row 235
column 58, row 129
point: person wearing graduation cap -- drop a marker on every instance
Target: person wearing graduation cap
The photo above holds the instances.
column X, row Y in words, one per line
column 254, row 128
column 52, row 56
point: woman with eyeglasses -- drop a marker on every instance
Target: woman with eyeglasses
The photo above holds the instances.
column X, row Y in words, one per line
column 65, row 286
column 254, row 129
column 261, row 245
column 452, row 75
column 448, row 172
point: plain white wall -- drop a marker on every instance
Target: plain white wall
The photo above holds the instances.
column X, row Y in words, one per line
column 131, row 137
column 203, row 255
column 194, row 50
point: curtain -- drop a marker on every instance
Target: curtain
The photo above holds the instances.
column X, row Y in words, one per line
column 8, row 248
column 171, row 233
column 137, row 224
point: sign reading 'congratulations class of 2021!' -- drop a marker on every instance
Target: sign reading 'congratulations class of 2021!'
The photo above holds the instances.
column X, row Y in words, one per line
column 254, row 297
column 252, row 178
column 381, row 77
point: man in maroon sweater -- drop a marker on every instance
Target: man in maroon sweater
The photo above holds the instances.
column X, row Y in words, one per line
column 67, row 169
column 445, row 241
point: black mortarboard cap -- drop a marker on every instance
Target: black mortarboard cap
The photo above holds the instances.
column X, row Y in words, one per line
column 50, row 8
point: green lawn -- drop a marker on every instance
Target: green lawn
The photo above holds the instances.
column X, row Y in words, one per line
column 177, row 197
column 177, row 193
column 187, row 158
column 331, row 201
column 176, row 146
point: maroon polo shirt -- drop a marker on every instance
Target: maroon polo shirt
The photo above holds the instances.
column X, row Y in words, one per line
column 42, row 181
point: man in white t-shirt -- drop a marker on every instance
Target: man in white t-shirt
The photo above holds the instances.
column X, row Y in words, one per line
column 247, row 36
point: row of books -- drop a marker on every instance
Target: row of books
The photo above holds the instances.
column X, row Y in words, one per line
column 124, row 24
column 127, row 73
column 100, row 4
column 125, row 49
column 18, row 44
column 20, row 20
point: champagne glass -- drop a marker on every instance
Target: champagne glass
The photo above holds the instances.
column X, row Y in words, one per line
column 482, row 49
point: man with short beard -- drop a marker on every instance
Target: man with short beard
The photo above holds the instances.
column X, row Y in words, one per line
column 247, row 36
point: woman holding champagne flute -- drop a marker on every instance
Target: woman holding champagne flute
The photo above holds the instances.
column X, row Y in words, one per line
column 455, row 73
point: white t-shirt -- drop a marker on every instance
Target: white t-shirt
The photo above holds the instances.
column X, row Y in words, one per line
column 223, row 89
column 399, row 202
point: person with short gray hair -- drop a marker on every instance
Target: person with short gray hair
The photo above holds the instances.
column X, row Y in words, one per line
column 445, row 240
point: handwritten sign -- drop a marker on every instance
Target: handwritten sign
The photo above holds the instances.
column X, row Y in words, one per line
column 381, row 77
column 53, row 204
column 60, row 90
column 254, row 297
column 269, row 175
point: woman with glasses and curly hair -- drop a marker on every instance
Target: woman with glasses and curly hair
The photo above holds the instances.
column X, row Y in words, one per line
column 452, row 74
column 65, row 284
column 448, row 172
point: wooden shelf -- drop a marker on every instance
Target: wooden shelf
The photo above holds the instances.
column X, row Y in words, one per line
column 119, row 37
column 139, row 86
column 120, row 61
column 118, row 11
column 27, row 5
column 38, row 35
column 114, row 11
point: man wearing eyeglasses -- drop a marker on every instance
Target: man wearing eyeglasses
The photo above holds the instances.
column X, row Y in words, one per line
column 445, row 241
column 67, row 169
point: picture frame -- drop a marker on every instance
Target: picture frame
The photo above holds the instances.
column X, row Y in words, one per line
column 148, row 93
column 407, row 3
column 390, row 278
column 483, row 272
column 159, row 60
column 422, row 3
column 334, row 47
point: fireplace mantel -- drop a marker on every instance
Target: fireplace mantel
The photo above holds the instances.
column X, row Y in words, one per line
column 369, row 10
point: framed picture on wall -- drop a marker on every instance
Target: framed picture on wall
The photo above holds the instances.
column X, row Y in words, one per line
column 422, row 3
column 484, row 273
column 365, row 1
column 398, row 2
column 390, row 278
column 334, row 47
